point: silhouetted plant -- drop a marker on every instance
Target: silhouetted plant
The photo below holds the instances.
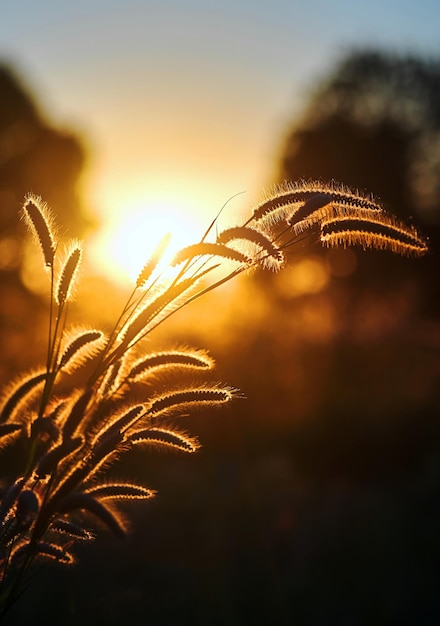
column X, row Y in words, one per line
column 58, row 492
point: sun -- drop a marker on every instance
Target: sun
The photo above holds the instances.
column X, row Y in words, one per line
column 127, row 239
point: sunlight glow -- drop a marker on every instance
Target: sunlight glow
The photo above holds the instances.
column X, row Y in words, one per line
column 128, row 238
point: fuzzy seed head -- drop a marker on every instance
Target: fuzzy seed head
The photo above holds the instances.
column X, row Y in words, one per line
column 39, row 220
column 68, row 274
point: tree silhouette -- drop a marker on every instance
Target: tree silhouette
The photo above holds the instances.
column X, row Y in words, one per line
column 374, row 124
column 34, row 157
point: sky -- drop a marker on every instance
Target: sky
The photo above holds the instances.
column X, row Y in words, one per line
column 185, row 103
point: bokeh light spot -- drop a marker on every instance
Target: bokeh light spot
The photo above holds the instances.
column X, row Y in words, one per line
column 308, row 276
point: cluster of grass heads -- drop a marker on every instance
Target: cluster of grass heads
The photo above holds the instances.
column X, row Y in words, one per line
column 68, row 422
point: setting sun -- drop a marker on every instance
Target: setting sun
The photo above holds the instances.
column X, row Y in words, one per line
column 127, row 239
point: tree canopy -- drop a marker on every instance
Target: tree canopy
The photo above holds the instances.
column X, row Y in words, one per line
column 35, row 157
column 374, row 123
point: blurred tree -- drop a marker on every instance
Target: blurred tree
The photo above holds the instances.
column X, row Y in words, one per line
column 34, row 157
column 374, row 124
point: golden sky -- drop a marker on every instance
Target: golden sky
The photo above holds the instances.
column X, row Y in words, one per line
column 185, row 103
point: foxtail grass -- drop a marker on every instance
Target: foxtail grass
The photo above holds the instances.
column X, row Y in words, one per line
column 60, row 493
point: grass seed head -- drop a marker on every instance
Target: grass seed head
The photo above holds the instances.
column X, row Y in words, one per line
column 40, row 222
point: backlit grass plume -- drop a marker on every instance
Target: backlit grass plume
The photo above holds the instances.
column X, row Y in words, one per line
column 67, row 434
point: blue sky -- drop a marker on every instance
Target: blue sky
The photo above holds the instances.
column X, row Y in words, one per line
column 189, row 100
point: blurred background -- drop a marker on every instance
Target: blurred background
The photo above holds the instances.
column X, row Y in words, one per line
column 316, row 499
